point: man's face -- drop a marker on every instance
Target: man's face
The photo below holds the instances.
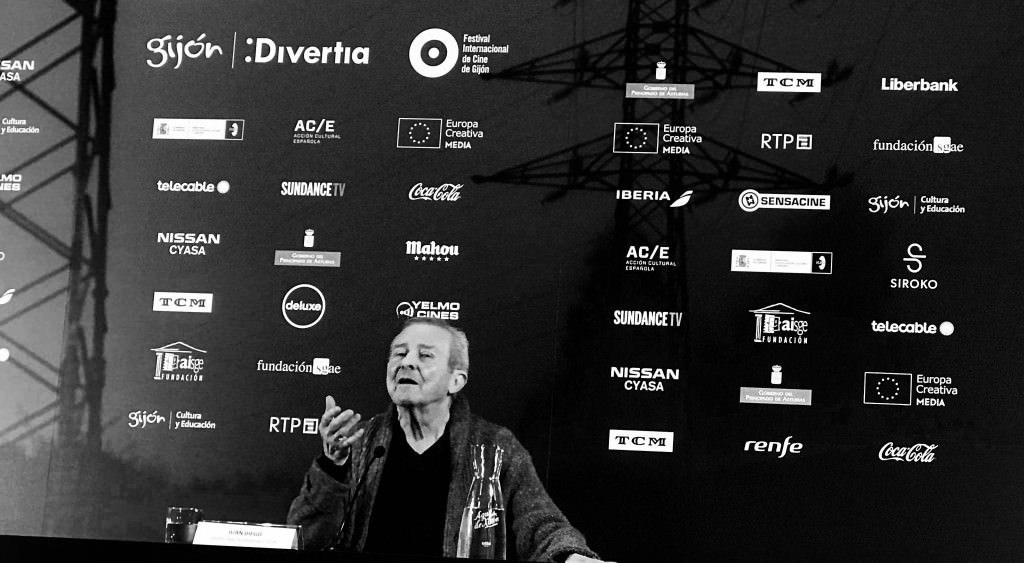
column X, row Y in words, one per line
column 418, row 366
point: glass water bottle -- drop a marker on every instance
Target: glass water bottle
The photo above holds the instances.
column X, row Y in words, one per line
column 482, row 533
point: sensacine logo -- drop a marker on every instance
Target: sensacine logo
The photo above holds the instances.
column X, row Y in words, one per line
column 303, row 306
column 448, row 310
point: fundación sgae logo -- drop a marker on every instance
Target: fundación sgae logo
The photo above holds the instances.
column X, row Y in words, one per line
column 641, row 441
column 303, row 306
column 172, row 51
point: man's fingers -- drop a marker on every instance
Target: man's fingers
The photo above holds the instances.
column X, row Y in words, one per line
column 329, row 403
column 347, row 442
column 342, row 425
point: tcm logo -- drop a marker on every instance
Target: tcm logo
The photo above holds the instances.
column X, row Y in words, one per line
column 789, row 82
column 168, row 302
column 783, row 141
column 292, row 425
column 448, row 310
column 640, row 441
column 782, row 448
column 178, row 362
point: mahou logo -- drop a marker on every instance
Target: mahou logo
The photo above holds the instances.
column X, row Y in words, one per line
column 918, row 453
column 444, row 192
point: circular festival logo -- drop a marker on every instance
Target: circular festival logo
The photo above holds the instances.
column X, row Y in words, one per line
column 303, row 306
column 433, row 53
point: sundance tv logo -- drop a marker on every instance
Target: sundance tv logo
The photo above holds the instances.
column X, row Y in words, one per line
column 171, row 302
column 303, row 306
column 640, row 441
column 647, row 318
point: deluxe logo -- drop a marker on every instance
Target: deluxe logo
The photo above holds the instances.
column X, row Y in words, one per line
column 780, row 324
column 647, row 318
column 10, row 69
column 198, row 129
column 434, row 53
column 918, row 453
column 781, row 262
column 805, row 82
column 915, row 263
column 894, row 84
column 314, row 131
column 448, row 310
column 173, row 302
column 751, row 200
column 319, row 366
column 312, row 189
column 640, row 441
column 644, row 379
column 939, row 145
column 784, row 141
column 775, row 395
column 303, row 306
column 430, row 132
column 193, row 244
column 443, row 192
column 198, row 186
column 430, row 251
column 782, row 448
column 173, row 51
column 142, row 419
column 291, row 425
column 946, row 328
column 179, row 362
column 652, row 138
column 905, row 389
column 10, row 182
column 647, row 258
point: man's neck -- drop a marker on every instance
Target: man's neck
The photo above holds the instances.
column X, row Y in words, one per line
column 423, row 425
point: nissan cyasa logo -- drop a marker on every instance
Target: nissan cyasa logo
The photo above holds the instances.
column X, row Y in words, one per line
column 303, row 306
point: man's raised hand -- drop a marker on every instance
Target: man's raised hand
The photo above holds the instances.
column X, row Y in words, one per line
column 337, row 431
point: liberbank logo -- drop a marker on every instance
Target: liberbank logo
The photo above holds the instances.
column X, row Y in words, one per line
column 780, row 324
column 172, row 51
column 174, row 302
column 803, row 82
column 640, row 441
column 894, row 84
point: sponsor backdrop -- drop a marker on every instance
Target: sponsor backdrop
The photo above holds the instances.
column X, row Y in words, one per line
column 740, row 277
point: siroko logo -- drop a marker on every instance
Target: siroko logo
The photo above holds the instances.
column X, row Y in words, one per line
column 430, row 251
column 804, row 82
column 444, row 192
column 640, row 441
column 198, row 186
column 644, row 379
column 169, row 49
column 784, row 141
column 430, row 309
column 915, row 263
column 784, row 447
column 433, row 53
column 751, row 200
column 291, row 425
column 179, row 362
column 303, row 306
column 172, row 302
column 780, row 324
column 193, row 244
column 647, row 318
column 946, row 328
column 918, row 453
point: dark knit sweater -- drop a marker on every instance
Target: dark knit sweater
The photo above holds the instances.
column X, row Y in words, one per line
column 537, row 529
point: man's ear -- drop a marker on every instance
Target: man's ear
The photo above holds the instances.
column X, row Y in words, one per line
column 457, row 381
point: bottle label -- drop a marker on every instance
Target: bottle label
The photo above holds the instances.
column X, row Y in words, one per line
column 485, row 520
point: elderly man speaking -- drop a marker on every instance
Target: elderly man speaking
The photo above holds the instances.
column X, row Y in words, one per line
column 399, row 482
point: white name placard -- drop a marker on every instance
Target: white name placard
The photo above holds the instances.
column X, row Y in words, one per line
column 244, row 534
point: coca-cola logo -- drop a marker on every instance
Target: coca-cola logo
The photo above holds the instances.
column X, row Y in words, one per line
column 444, row 192
column 918, row 453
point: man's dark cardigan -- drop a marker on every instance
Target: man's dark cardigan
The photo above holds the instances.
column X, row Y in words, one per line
column 537, row 530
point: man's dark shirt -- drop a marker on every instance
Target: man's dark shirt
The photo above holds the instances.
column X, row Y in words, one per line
column 409, row 510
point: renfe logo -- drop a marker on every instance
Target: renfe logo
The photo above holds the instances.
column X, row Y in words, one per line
column 640, row 441
column 303, row 306
column 782, row 447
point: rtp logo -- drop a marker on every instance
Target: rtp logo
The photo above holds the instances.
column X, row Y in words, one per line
column 433, row 53
column 637, row 138
column 419, row 133
column 882, row 388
